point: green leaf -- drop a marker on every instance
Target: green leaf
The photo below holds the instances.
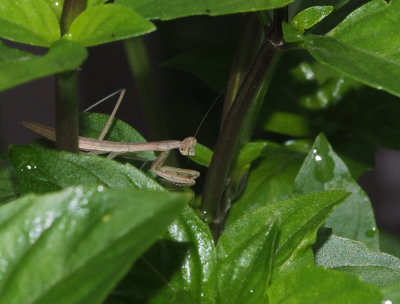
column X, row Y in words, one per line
column 92, row 124
column 106, row 23
column 290, row 33
column 324, row 170
column 41, row 170
column 371, row 69
column 165, row 10
column 7, row 181
column 182, row 261
column 310, row 16
column 244, row 265
column 389, row 242
column 392, row 293
column 202, row 155
column 287, row 123
column 17, row 67
column 374, row 28
column 376, row 268
column 74, row 246
column 300, row 216
column 56, row 6
column 318, row 285
column 31, row 22
column 250, row 152
column 270, row 180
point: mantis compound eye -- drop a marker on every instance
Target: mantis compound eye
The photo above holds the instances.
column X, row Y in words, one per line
column 188, row 146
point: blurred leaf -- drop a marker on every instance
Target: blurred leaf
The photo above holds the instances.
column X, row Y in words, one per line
column 324, row 170
column 31, row 22
column 211, row 65
column 389, row 243
column 202, row 155
column 106, row 23
column 165, row 10
column 41, row 170
column 376, row 268
column 270, row 180
column 310, row 16
column 17, row 67
column 300, row 217
column 250, row 152
column 319, row 285
column 287, row 123
column 74, row 246
column 181, row 262
column 244, row 265
column 92, row 124
column 392, row 293
column 7, row 181
column 372, row 69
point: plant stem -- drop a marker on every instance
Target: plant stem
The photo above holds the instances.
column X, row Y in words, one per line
column 71, row 10
column 67, row 89
column 248, row 42
column 140, row 67
column 229, row 139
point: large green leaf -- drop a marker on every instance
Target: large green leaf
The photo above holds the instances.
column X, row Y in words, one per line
column 165, row 10
column 365, row 45
column 74, row 246
column 41, row 170
column 17, row 67
column 106, row 23
column 92, row 124
column 377, row 268
column 271, row 179
column 324, row 170
column 369, row 68
column 244, row 265
column 183, row 261
column 318, row 285
column 300, row 218
column 374, row 28
column 31, row 22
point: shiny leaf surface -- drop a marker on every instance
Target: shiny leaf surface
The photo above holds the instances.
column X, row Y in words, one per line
column 41, row 170
column 319, row 285
column 79, row 242
column 244, row 265
column 324, row 170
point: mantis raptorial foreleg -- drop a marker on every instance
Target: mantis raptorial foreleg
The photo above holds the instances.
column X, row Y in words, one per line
column 177, row 176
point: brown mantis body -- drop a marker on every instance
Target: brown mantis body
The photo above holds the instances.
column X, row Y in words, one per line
column 177, row 176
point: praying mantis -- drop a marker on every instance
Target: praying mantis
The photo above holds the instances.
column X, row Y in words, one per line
column 177, row 176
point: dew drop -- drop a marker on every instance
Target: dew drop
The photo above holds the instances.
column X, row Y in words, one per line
column 100, row 188
column 371, row 232
column 318, row 158
column 387, row 302
column 56, row 3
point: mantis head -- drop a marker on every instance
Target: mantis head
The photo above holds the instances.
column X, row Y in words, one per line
column 187, row 146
